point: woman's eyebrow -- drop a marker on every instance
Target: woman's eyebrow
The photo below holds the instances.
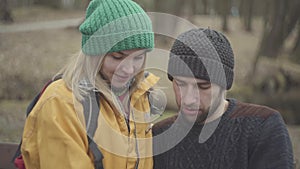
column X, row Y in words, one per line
column 122, row 53
column 138, row 53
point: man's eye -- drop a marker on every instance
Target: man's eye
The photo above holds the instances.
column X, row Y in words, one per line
column 204, row 86
column 180, row 84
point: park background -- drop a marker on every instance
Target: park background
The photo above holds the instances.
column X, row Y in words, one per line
column 38, row 36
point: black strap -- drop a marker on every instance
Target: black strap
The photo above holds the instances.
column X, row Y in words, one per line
column 96, row 153
column 91, row 108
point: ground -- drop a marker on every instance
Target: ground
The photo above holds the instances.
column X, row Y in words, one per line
column 29, row 58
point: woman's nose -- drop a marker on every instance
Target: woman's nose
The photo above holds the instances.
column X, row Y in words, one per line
column 127, row 67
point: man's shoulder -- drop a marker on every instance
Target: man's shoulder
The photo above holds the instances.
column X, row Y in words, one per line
column 253, row 110
column 163, row 125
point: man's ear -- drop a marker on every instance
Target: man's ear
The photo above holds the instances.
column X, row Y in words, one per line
column 170, row 77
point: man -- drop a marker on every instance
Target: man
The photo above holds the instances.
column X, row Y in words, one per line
column 210, row 131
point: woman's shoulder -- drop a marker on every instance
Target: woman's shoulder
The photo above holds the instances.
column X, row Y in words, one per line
column 57, row 89
column 56, row 94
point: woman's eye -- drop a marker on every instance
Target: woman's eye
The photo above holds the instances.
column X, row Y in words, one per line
column 140, row 57
column 117, row 57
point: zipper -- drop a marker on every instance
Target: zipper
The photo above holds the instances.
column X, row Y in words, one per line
column 127, row 120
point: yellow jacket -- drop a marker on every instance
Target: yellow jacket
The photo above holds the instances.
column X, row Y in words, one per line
column 55, row 137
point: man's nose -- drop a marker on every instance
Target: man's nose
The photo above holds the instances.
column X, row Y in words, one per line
column 190, row 96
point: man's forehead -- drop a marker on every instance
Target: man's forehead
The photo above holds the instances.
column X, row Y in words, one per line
column 189, row 79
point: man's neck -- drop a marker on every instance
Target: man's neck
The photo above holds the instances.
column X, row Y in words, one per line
column 219, row 111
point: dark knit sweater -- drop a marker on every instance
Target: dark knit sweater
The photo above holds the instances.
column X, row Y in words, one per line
column 247, row 137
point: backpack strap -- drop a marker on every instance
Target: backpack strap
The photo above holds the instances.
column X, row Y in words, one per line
column 96, row 153
column 91, row 108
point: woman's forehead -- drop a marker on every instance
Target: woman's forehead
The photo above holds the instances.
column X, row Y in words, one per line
column 132, row 51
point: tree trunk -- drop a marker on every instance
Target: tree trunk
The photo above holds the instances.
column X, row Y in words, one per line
column 225, row 23
column 50, row 3
column 280, row 20
column 249, row 15
column 293, row 16
column 246, row 13
column 163, row 24
column 283, row 17
column 194, row 7
column 272, row 40
column 224, row 9
column 5, row 13
column 295, row 54
column 179, row 8
column 205, row 7
column 267, row 9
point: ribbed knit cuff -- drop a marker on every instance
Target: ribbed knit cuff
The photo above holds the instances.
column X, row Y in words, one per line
column 201, row 68
column 99, row 45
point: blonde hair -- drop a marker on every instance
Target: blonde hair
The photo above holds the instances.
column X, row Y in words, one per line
column 84, row 68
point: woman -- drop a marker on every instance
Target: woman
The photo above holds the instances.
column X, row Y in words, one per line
column 116, row 35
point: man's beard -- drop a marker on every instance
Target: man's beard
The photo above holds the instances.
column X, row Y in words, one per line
column 202, row 117
column 203, row 113
column 199, row 118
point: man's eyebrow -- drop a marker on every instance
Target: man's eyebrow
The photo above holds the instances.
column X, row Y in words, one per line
column 178, row 80
column 203, row 83
column 198, row 83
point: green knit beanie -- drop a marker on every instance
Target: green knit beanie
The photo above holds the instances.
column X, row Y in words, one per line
column 115, row 25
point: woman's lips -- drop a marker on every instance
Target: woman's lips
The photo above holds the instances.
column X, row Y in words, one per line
column 122, row 78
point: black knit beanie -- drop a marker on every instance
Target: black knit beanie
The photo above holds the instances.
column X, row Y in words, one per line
column 204, row 54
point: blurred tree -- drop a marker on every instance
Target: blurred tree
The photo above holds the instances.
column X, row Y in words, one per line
column 62, row 4
column 205, row 7
column 5, row 12
column 280, row 20
column 50, row 3
column 246, row 13
column 87, row 3
column 169, row 7
column 281, row 17
column 180, row 8
column 191, row 13
column 223, row 8
column 295, row 53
